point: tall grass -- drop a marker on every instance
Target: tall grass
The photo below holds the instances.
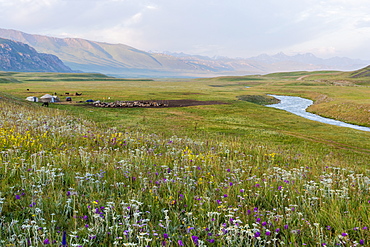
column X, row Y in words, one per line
column 67, row 182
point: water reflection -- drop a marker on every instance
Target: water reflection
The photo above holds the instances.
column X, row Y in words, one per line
column 298, row 106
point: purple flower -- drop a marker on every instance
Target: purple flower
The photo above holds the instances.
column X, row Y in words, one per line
column 264, row 223
column 17, row 197
column 180, row 242
column 211, row 240
column 189, row 229
column 257, row 234
column 165, row 235
column 258, row 219
column 362, row 242
column 225, row 195
column 64, row 239
column 344, row 234
column 195, row 239
column 242, row 190
column 268, row 233
column 286, row 226
column 280, row 187
column 277, row 230
column 364, row 228
column 328, row 227
column 46, row 241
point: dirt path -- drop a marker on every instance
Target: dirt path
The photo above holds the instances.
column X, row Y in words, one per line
column 302, row 77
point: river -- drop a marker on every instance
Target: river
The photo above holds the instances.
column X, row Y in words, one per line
column 298, row 106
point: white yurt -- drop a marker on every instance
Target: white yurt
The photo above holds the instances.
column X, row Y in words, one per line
column 32, row 99
column 49, row 98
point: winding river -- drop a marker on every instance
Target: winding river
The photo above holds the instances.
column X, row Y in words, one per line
column 298, row 106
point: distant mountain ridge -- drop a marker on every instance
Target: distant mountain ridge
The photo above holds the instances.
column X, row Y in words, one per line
column 126, row 61
column 16, row 56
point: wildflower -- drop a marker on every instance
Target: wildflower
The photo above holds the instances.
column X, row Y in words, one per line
column 180, row 243
column 225, row 195
column 344, row 234
column 277, row 230
column 257, row 234
column 64, row 239
column 362, row 242
column 211, row 240
column 286, row 226
column 195, row 239
column 46, row 241
column 165, row 235
column 17, row 197
column 328, row 227
column 268, row 233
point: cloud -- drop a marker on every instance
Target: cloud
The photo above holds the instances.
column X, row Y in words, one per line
column 209, row 27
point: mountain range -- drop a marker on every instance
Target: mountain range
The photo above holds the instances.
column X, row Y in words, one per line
column 126, row 61
column 17, row 56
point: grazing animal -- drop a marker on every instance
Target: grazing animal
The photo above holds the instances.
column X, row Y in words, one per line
column 78, row 94
column 67, row 93
column 28, row 89
column 46, row 104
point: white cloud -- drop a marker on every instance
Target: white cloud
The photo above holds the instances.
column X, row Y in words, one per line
column 209, row 27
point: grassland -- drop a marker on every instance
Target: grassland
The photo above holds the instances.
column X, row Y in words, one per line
column 236, row 174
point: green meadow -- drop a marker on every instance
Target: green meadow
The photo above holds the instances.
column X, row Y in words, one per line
column 236, row 173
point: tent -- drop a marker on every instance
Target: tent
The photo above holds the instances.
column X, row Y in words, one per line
column 33, row 99
column 49, row 98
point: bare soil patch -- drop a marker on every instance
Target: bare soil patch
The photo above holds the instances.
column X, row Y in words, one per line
column 153, row 103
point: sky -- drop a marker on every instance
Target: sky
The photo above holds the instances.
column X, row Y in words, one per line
column 232, row 28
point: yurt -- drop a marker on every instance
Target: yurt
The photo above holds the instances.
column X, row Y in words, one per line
column 32, row 99
column 49, row 98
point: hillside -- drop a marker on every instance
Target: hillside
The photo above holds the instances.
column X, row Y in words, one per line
column 16, row 56
column 361, row 73
column 127, row 61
